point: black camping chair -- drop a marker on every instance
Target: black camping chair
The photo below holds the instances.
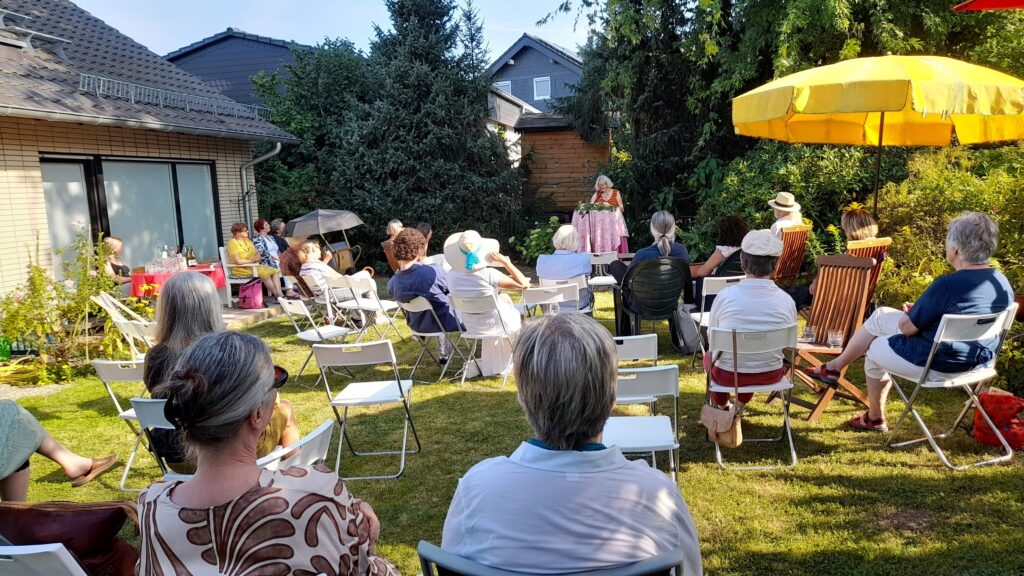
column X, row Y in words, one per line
column 651, row 291
column 730, row 266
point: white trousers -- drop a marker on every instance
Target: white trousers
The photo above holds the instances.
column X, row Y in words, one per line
column 880, row 358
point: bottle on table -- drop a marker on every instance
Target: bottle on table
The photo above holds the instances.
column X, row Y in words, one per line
column 192, row 260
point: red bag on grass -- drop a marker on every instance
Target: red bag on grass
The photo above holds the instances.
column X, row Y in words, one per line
column 1005, row 411
column 250, row 294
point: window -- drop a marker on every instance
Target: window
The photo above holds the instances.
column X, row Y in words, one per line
column 542, row 88
column 505, row 87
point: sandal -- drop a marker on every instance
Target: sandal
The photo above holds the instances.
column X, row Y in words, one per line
column 865, row 423
column 823, row 374
column 98, row 467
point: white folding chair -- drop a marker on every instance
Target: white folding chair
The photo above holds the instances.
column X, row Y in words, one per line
column 481, row 306
column 39, row 560
column 114, row 308
column 365, row 299
column 712, row 287
column 582, row 292
column 311, row 449
column 547, row 297
column 600, row 279
column 299, row 315
column 957, row 328
column 139, row 335
column 747, row 342
column 637, row 348
column 111, row 372
column 150, row 412
column 646, row 433
column 420, row 305
column 234, row 280
column 376, row 393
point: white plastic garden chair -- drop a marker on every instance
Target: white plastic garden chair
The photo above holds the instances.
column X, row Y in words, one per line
column 600, row 279
column 420, row 305
column 637, row 348
column 313, row 332
column 546, row 297
column 365, row 299
column 38, row 560
column 231, row 280
column 581, row 287
column 481, row 306
column 654, row 433
column 112, row 372
column 712, row 286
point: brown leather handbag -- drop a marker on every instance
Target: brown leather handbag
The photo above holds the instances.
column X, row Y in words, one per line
column 88, row 530
column 724, row 424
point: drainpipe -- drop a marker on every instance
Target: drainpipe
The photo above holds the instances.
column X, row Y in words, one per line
column 246, row 191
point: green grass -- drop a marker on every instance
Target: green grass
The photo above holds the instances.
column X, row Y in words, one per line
column 849, row 507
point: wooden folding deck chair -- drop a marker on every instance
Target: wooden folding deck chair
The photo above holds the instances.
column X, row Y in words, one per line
column 794, row 244
column 874, row 248
column 839, row 304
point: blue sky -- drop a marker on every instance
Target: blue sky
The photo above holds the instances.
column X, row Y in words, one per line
column 166, row 25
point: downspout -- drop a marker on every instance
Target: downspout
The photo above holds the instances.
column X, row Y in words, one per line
column 246, row 191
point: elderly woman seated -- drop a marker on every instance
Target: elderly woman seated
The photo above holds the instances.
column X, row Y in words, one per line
column 756, row 303
column 566, row 262
column 563, row 501
column 231, row 513
column 242, row 252
column 901, row 341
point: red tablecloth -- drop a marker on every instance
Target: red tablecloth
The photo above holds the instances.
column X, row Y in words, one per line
column 146, row 285
column 604, row 230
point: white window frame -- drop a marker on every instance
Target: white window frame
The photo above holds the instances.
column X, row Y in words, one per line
column 505, row 86
column 536, row 96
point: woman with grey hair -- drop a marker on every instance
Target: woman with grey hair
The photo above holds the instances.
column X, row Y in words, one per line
column 663, row 230
column 900, row 341
column 232, row 516
column 566, row 262
column 577, row 504
column 189, row 307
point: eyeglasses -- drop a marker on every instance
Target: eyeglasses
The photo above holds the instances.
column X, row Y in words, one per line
column 280, row 377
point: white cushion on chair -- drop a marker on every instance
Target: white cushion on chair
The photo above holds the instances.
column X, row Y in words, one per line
column 640, row 433
column 366, row 393
column 784, row 384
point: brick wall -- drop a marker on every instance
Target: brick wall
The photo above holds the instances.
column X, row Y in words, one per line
column 563, row 167
column 22, row 205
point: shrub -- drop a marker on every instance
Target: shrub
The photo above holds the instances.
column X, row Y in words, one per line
column 537, row 241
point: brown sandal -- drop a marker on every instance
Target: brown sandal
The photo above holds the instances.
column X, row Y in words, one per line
column 98, row 467
column 865, row 423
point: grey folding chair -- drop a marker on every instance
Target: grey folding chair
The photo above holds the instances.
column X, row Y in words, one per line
column 435, row 561
column 749, row 342
column 300, row 315
column 652, row 433
column 480, row 305
column 38, row 560
column 375, row 393
column 712, row 286
column 112, row 372
column 420, row 305
column 957, row 328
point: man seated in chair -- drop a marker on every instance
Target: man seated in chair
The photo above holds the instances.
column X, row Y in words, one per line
column 756, row 303
column 901, row 341
column 563, row 501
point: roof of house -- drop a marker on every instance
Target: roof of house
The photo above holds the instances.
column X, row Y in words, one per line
column 86, row 71
column 552, row 50
column 519, row 102
column 230, row 33
column 543, row 122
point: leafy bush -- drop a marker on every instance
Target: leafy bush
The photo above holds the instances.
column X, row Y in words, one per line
column 537, row 241
column 1011, row 362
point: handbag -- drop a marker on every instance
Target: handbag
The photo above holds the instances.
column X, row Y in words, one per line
column 250, row 294
column 1006, row 412
column 88, row 530
column 723, row 424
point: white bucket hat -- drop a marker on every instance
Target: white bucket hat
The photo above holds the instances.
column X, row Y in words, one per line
column 761, row 243
column 467, row 251
column 785, row 201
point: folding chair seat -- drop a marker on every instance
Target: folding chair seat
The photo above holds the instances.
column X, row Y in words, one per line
column 234, row 280
column 646, row 433
column 111, row 372
column 481, row 305
column 297, row 312
column 600, row 279
column 546, row 297
column 712, row 286
column 955, row 328
column 373, row 393
column 582, row 289
column 420, row 305
column 365, row 299
column 744, row 342
column 39, row 560
column 437, row 562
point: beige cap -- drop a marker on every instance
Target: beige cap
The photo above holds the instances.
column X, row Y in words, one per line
column 761, row 243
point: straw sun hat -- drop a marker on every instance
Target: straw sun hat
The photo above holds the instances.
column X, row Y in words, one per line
column 785, row 201
column 467, row 251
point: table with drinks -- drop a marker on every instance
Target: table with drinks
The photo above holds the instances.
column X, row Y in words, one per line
column 168, row 262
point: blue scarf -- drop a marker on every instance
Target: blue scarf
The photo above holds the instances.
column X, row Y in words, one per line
column 471, row 258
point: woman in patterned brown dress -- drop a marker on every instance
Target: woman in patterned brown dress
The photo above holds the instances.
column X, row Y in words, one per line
column 231, row 517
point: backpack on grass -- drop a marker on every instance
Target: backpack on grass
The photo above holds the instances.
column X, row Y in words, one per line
column 1005, row 411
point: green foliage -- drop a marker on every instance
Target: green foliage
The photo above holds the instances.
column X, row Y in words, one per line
column 1010, row 363
column 537, row 241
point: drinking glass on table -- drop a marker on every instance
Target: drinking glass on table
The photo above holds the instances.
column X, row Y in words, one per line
column 810, row 333
column 835, row 338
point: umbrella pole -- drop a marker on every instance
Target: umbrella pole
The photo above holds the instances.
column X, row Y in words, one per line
column 878, row 161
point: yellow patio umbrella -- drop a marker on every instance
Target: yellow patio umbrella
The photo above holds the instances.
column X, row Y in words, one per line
column 886, row 101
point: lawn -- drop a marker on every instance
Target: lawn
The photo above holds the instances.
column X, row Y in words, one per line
column 849, row 507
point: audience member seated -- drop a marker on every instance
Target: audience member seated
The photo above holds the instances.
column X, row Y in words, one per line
column 394, row 227
column 756, row 303
column 114, row 266
column 900, row 341
column 314, row 264
column 188, row 308
column 277, row 233
column 241, row 250
column 468, row 254
column 563, row 501
column 231, row 516
column 415, row 278
column 728, row 237
column 787, row 212
column 566, row 262
column 21, row 435
column 663, row 229
column 269, row 253
column 291, row 265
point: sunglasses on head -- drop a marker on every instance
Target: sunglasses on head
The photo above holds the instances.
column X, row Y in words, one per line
column 280, row 377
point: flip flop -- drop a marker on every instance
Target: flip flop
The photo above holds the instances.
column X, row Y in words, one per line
column 98, row 467
column 865, row 423
column 823, row 374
